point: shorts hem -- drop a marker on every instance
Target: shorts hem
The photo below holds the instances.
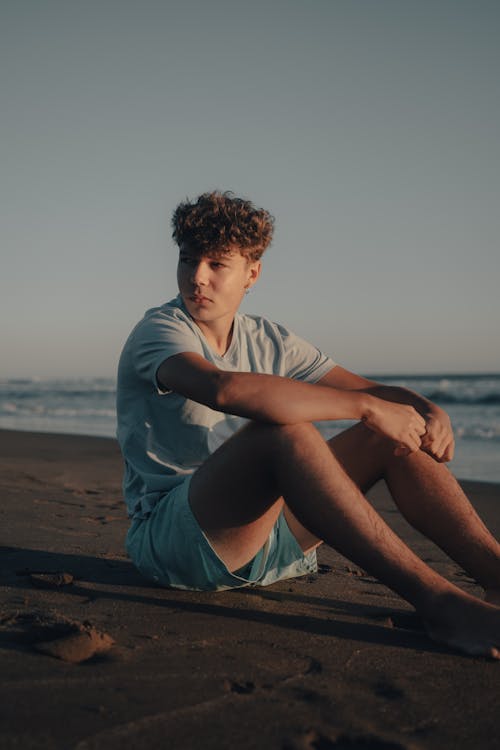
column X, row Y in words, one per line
column 170, row 548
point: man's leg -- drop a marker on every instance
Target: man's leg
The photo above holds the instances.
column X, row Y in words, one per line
column 237, row 495
column 431, row 499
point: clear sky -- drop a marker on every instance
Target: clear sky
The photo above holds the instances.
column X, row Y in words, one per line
column 370, row 129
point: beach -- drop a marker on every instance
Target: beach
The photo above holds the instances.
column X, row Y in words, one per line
column 94, row 656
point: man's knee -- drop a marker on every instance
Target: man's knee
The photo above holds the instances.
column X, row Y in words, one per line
column 283, row 431
column 285, row 438
column 302, row 433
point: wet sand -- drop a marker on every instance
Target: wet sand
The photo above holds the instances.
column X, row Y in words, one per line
column 95, row 657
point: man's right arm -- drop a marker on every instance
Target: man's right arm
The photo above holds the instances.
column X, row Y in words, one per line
column 278, row 400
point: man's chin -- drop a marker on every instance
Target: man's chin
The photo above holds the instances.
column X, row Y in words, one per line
column 197, row 312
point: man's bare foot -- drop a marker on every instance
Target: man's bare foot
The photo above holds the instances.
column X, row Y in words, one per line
column 492, row 596
column 465, row 623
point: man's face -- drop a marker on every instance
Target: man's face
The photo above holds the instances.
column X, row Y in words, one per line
column 212, row 286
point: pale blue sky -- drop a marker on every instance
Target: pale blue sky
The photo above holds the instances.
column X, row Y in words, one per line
column 369, row 128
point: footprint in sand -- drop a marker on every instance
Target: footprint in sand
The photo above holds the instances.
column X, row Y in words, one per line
column 49, row 580
column 56, row 635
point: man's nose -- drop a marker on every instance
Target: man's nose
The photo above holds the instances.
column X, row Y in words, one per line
column 199, row 274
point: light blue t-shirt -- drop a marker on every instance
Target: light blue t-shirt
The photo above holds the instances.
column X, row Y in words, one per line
column 164, row 437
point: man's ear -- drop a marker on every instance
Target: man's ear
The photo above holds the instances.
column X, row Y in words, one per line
column 254, row 270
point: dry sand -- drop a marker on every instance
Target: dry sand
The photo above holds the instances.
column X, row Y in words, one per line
column 93, row 656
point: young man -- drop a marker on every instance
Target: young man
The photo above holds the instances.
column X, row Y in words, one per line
column 227, row 480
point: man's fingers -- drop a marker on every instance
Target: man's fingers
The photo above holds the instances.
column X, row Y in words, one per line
column 421, row 428
column 438, row 449
column 435, row 442
column 412, row 445
column 441, row 452
column 449, row 451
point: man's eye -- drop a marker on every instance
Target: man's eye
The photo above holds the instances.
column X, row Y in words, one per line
column 215, row 264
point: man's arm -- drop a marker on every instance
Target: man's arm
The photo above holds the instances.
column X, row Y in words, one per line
column 438, row 440
column 270, row 398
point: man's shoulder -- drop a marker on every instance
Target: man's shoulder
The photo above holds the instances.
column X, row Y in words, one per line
column 164, row 322
column 170, row 315
column 162, row 331
column 172, row 310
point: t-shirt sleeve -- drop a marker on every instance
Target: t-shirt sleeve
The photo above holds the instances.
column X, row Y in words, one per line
column 156, row 339
column 302, row 360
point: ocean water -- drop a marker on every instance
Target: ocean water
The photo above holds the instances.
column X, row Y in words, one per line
column 86, row 406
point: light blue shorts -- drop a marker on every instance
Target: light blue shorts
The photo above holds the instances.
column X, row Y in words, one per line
column 170, row 548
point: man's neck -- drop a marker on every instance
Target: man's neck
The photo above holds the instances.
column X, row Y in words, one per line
column 219, row 334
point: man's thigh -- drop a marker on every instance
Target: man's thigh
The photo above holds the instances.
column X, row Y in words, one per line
column 234, row 497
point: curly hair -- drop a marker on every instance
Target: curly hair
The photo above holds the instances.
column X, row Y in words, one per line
column 217, row 222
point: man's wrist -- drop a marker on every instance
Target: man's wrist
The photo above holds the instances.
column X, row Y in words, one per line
column 367, row 405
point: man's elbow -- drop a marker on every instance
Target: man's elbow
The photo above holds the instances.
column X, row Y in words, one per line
column 221, row 387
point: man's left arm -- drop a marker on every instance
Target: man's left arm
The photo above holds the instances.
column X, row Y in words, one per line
column 438, row 440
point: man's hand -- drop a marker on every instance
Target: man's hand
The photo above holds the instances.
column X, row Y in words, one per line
column 438, row 440
column 434, row 434
column 399, row 422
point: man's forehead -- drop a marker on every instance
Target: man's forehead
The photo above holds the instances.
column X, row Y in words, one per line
column 213, row 252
